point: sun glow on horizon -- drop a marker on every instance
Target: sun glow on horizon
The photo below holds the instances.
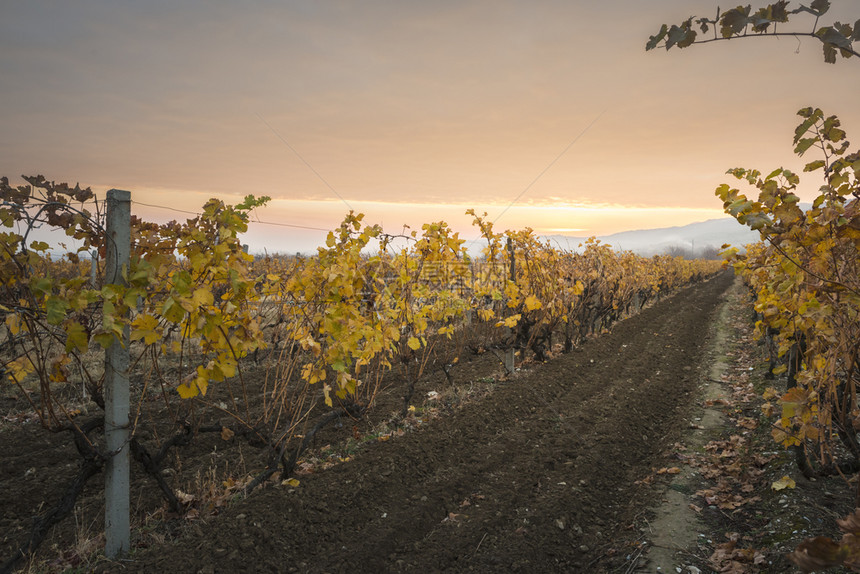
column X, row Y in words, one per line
column 289, row 225
column 564, row 229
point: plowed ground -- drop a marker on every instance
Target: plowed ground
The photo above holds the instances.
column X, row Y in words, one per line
column 538, row 476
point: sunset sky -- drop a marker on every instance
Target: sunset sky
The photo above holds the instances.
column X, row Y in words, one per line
column 548, row 114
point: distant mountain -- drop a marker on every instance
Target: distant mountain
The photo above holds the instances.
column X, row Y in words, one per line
column 685, row 239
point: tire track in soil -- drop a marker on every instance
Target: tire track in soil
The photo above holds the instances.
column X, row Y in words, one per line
column 538, row 476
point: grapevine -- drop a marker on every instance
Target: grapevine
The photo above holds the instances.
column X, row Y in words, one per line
column 320, row 333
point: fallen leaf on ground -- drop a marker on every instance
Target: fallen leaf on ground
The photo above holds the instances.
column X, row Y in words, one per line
column 783, row 483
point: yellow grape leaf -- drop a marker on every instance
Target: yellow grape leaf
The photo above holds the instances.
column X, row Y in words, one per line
column 486, row 314
column 533, row 303
column 59, row 370
column 578, row 288
column 309, row 343
column 202, row 381
column 792, row 401
column 145, row 328
column 13, row 323
column 512, row 321
column 294, row 482
column 327, row 394
column 187, row 391
column 783, row 483
column 19, row 368
column 780, row 369
column 414, row 343
column 203, row 297
column 227, row 368
column 193, row 385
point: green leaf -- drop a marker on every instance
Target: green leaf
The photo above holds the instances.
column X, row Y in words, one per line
column 140, row 277
column 681, row 36
column 832, row 39
column 814, row 165
column 778, row 11
column 831, row 129
column 829, row 53
column 757, row 221
column 734, row 21
column 7, row 219
column 739, row 206
column 804, row 145
column 251, row 202
column 173, row 311
column 723, row 191
column 652, row 42
column 105, row 340
column 40, row 285
column 762, row 19
column 55, row 310
column 811, row 116
column 76, row 337
column 773, row 174
column 806, row 112
column 820, row 6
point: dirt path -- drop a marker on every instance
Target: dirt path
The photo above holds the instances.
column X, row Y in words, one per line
column 537, row 477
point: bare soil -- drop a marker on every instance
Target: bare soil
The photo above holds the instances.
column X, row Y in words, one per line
column 538, row 476
column 546, row 473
